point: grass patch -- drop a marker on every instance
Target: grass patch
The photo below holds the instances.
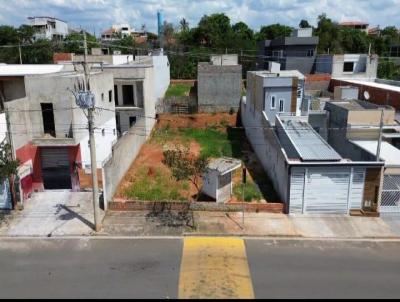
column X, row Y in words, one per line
column 251, row 192
column 158, row 187
column 178, row 90
column 213, row 142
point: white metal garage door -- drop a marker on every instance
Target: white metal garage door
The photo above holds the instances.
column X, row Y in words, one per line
column 322, row 190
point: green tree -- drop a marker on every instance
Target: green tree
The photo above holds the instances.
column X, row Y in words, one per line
column 387, row 69
column 304, row 24
column 8, row 166
column 74, row 42
column 329, row 34
column 274, row 31
column 214, row 31
column 184, row 25
column 9, row 41
column 186, row 166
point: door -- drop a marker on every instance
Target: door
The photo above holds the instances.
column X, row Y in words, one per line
column 56, row 168
column 390, row 201
column 224, row 188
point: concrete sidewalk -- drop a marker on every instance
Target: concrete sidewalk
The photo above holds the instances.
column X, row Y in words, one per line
column 52, row 213
column 261, row 224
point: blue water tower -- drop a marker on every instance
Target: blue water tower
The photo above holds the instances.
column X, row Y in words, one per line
column 160, row 19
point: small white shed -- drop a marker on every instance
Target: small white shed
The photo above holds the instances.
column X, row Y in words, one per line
column 217, row 180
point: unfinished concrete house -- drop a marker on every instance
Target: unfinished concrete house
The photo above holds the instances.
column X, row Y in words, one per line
column 48, row 132
column 219, row 84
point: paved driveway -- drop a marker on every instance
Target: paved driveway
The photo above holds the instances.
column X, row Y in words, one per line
column 53, row 213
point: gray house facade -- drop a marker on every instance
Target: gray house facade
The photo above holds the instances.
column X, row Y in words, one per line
column 293, row 53
column 310, row 176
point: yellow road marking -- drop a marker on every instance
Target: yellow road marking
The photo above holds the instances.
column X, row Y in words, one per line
column 215, row 268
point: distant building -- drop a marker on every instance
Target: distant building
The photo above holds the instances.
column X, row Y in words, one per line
column 219, row 84
column 120, row 31
column 363, row 26
column 297, row 52
column 348, row 66
column 48, row 28
column 374, row 31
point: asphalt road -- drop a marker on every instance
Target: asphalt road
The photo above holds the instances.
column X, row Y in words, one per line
column 150, row 268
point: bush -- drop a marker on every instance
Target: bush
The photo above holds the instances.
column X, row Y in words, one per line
column 251, row 192
column 157, row 187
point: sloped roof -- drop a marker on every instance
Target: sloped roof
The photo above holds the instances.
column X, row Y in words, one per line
column 309, row 145
column 224, row 165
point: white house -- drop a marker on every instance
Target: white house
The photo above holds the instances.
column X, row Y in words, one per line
column 48, row 28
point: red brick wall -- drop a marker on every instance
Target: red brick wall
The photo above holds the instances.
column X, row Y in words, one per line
column 198, row 206
column 318, row 77
column 62, row 57
column 378, row 95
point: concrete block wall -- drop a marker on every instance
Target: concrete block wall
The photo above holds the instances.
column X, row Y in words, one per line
column 219, row 87
column 124, row 154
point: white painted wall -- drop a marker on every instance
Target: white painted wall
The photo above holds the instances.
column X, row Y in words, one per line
column 3, row 126
column 210, row 183
column 162, row 76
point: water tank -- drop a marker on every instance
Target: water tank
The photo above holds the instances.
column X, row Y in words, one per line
column 160, row 20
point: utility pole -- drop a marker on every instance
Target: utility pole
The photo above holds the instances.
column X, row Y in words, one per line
column 95, row 185
column 378, row 151
column 20, row 53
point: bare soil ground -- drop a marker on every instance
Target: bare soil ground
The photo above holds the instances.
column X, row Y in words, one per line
column 196, row 120
column 151, row 155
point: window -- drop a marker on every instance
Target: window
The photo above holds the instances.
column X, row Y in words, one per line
column 273, row 102
column 110, row 96
column 348, row 67
column 281, row 105
column 310, row 53
column 102, row 97
column 116, row 94
column 132, row 121
column 127, row 95
column 48, row 119
column 299, row 91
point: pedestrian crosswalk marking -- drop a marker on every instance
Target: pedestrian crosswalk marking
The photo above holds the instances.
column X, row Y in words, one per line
column 215, row 268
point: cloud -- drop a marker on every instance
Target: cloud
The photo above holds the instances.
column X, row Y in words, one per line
column 96, row 15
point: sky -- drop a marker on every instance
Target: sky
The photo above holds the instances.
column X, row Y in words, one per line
column 97, row 15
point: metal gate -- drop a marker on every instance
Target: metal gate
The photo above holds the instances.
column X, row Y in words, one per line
column 390, row 201
column 56, row 168
column 326, row 190
column 5, row 196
